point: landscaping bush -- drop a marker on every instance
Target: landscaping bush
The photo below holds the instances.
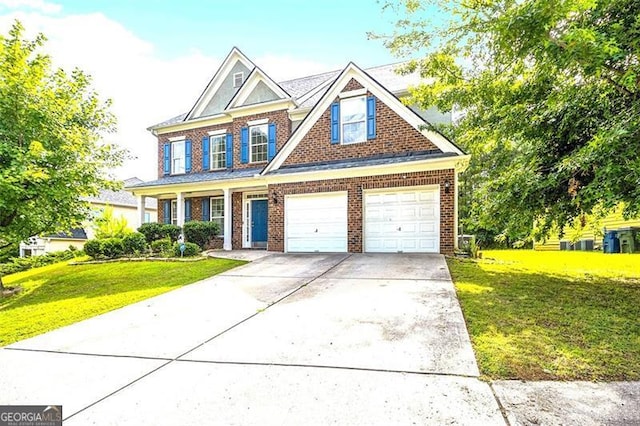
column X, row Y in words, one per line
column 200, row 233
column 157, row 231
column 134, row 243
column 161, row 247
column 20, row 264
column 93, row 248
column 112, row 248
column 190, row 250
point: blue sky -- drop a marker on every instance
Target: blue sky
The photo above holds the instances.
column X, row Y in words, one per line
column 153, row 58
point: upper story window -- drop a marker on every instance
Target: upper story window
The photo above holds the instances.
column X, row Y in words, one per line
column 178, row 157
column 218, row 152
column 238, row 78
column 353, row 116
column 258, row 143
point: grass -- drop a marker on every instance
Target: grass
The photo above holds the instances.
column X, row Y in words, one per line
column 61, row 294
column 552, row 315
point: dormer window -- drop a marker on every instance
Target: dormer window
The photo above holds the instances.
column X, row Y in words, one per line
column 238, row 79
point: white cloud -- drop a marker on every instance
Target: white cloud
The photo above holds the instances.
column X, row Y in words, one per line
column 145, row 89
column 38, row 5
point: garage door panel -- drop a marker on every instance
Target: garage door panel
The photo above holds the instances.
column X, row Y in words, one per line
column 316, row 223
column 409, row 221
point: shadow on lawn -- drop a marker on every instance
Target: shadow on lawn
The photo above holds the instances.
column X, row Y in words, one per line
column 535, row 326
column 92, row 281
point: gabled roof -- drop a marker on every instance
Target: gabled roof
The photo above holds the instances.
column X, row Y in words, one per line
column 234, row 56
column 352, row 71
column 250, row 84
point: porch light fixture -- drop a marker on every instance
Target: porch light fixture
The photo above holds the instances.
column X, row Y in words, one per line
column 274, row 198
column 447, row 185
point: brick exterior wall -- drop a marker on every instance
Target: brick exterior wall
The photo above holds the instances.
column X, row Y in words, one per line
column 283, row 131
column 393, row 135
column 236, row 220
column 355, row 188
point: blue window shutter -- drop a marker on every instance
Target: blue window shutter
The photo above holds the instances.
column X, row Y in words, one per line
column 187, row 210
column 244, row 145
column 166, row 211
column 335, row 122
column 229, row 153
column 206, row 154
column 187, row 156
column 271, row 145
column 371, row 117
column 167, row 159
column 206, row 213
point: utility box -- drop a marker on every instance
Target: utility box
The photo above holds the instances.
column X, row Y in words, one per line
column 627, row 237
column 611, row 243
column 584, row 245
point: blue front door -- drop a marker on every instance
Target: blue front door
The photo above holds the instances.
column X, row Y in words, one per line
column 259, row 222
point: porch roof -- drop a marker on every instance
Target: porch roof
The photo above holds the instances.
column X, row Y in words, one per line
column 200, row 177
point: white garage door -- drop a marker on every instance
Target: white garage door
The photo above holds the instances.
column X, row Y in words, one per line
column 402, row 220
column 316, row 223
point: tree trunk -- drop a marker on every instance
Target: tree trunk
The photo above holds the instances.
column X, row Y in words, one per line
column 1, row 285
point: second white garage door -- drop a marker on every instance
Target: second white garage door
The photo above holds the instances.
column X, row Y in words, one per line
column 402, row 220
column 316, row 222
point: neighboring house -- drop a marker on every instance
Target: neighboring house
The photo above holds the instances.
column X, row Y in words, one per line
column 587, row 235
column 123, row 203
column 328, row 163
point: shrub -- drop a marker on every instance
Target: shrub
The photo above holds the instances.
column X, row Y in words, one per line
column 134, row 243
column 157, row 231
column 200, row 233
column 109, row 226
column 151, row 231
column 190, row 249
column 93, row 248
column 161, row 247
column 19, row 264
column 112, row 248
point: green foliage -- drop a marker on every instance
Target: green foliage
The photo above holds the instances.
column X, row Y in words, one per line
column 51, row 153
column 110, row 226
column 550, row 96
column 134, row 243
column 112, row 248
column 156, row 231
column 190, row 250
column 20, row 264
column 161, row 247
column 51, row 157
column 9, row 252
column 200, row 232
column 93, row 248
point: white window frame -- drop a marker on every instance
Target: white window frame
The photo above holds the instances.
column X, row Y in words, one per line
column 174, row 212
column 174, row 159
column 363, row 100
column 222, row 140
column 266, row 143
column 217, row 218
column 235, row 76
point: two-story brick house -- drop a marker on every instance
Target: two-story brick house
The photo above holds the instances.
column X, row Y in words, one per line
column 328, row 163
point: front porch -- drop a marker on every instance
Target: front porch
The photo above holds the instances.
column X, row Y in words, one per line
column 242, row 213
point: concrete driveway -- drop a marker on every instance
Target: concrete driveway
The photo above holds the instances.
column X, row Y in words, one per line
column 288, row 339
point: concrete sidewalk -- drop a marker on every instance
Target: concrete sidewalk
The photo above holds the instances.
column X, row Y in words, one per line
column 289, row 339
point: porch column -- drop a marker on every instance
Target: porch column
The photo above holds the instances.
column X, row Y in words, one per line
column 141, row 209
column 180, row 209
column 227, row 219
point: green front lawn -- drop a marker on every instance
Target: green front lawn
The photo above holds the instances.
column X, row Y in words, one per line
column 60, row 294
column 552, row 315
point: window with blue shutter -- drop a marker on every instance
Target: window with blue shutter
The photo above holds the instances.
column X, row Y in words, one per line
column 229, row 154
column 371, row 117
column 206, row 213
column 187, row 156
column 166, row 211
column 205, row 153
column 167, row 159
column 187, row 210
column 244, row 145
column 271, row 144
column 335, row 122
